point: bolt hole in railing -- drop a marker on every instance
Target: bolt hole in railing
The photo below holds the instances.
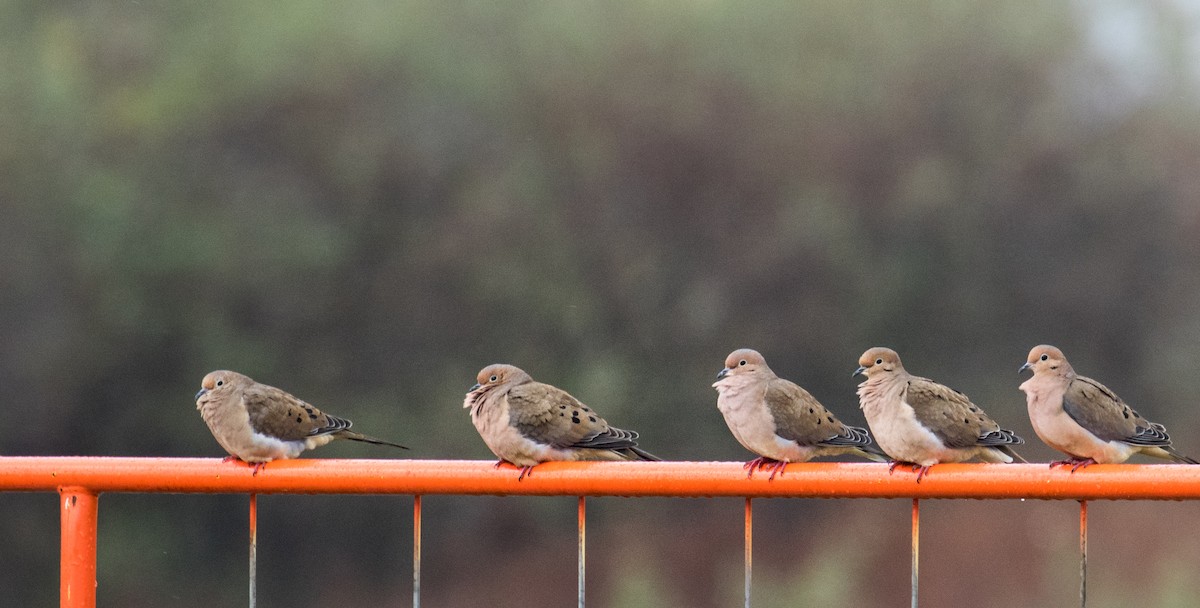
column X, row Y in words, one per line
column 81, row 482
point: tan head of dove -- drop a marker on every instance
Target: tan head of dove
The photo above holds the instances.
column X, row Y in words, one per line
column 878, row 360
column 743, row 361
column 216, row 385
column 498, row 376
column 1046, row 359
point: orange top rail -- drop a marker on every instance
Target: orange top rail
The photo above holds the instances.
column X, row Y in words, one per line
column 664, row 479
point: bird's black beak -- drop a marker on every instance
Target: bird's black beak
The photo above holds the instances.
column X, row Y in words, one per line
column 202, row 392
column 722, row 373
column 475, row 388
column 861, row 370
column 1024, row 367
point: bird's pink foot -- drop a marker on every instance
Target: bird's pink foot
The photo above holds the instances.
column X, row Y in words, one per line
column 1074, row 462
column 916, row 468
column 924, row 470
column 525, row 471
column 756, row 464
column 1081, row 463
column 777, row 468
column 257, row 466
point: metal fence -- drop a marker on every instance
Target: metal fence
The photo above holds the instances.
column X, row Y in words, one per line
column 81, row 480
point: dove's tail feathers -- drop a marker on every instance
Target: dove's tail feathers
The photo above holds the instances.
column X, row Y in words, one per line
column 1011, row 454
column 999, row 438
column 1177, row 457
column 636, row 453
column 367, row 439
column 872, row 452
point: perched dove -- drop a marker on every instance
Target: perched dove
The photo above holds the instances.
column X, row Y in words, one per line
column 526, row 423
column 1084, row 419
column 258, row 423
column 780, row 421
column 919, row 421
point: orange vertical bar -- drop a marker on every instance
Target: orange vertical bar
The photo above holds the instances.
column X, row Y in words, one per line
column 417, row 551
column 749, row 552
column 916, row 543
column 253, row 550
column 582, row 547
column 77, row 568
column 1082, row 554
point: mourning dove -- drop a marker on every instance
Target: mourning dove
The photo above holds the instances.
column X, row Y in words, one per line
column 919, row 421
column 526, row 423
column 258, row 423
column 1081, row 417
column 780, row 421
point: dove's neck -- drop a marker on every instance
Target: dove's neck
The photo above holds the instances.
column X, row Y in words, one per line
column 487, row 409
column 479, row 399
column 1046, row 387
column 733, row 385
column 876, row 393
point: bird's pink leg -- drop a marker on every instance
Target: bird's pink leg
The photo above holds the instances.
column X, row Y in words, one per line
column 777, row 468
column 257, row 466
column 923, row 469
column 525, row 471
column 757, row 463
column 1081, row 463
column 1074, row 462
column 916, row 468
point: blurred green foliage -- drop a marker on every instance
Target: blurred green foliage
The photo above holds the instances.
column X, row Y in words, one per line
column 366, row 202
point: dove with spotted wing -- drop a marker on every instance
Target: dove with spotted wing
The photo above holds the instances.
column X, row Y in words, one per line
column 918, row 421
column 780, row 421
column 257, row 423
column 1084, row 419
column 526, row 423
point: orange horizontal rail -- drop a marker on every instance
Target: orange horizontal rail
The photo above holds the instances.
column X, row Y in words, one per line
column 665, row 479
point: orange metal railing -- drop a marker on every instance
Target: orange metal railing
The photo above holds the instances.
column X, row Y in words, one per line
column 665, row 479
column 80, row 481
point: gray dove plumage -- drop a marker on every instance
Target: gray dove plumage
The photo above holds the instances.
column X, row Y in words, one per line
column 780, row 421
column 257, row 423
column 1084, row 419
column 919, row 421
column 526, row 423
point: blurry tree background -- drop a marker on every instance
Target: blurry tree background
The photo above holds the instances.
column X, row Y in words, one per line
column 366, row 202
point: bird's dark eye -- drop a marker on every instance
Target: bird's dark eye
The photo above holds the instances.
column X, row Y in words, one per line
column 742, row 362
column 1045, row 356
column 492, row 379
column 879, row 362
column 220, row 382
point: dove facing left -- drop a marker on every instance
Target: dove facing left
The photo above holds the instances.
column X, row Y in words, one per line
column 780, row 421
column 526, row 423
column 257, row 423
column 1084, row 419
column 919, row 421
